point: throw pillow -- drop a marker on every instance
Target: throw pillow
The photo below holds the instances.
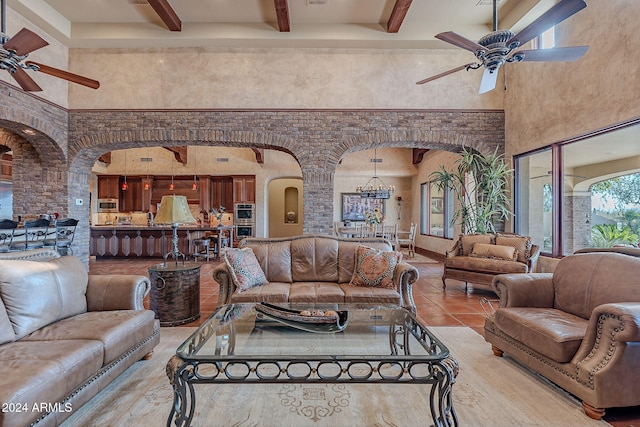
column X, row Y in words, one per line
column 482, row 250
column 244, row 268
column 375, row 268
column 468, row 240
column 521, row 243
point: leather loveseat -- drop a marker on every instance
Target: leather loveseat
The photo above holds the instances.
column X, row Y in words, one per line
column 65, row 335
column 315, row 269
column 478, row 258
column 578, row 326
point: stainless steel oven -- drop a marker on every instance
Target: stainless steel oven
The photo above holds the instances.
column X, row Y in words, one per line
column 244, row 213
column 243, row 231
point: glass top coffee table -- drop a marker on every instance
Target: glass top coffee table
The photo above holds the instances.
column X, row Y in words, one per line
column 254, row 343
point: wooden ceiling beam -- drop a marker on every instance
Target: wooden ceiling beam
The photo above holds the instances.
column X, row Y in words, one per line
column 400, row 9
column 282, row 12
column 167, row 14
column 179, row 152
column 418, row 155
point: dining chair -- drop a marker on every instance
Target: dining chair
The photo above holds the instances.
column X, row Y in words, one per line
column 7, row 228
column 390, row 232
column 31, row 236
column 409, row 242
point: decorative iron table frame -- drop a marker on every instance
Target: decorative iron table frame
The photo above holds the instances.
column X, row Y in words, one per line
column 437, row 367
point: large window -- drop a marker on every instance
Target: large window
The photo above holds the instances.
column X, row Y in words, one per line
column 581, row 193
column 436, row 211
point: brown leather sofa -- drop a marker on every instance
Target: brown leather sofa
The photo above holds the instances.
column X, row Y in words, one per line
column 315, row 269
column 65, row 335
column 578, row 326
column 479, row 269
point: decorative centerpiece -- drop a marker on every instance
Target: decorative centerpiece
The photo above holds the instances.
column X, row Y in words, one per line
column 373, row 217
column 291, row 217
column 217, row 214
column 310, row 320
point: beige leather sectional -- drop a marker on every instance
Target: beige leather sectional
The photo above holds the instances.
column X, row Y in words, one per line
column 65, row 335
column 315, row 269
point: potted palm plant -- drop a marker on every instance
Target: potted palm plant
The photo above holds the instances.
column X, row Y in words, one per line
column 479, row 183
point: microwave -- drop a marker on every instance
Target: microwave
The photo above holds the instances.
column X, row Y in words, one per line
column 107, row 205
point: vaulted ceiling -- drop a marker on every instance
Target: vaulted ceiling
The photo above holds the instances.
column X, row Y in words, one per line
column 397, row 24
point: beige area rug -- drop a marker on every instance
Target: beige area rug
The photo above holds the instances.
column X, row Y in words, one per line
column 489, row 391
column 417, row 258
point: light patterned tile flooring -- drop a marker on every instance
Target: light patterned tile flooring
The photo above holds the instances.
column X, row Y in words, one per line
column 435, row 306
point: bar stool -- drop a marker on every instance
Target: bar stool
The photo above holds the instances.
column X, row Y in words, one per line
column 214, row 241
column 201, row 248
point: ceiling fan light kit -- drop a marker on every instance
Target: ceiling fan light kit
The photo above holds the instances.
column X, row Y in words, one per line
column 493, row 50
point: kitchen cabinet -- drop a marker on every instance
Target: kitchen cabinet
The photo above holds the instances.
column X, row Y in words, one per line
column 131, row 199
column 244, row 189
column 222, row 193
column 108, row 187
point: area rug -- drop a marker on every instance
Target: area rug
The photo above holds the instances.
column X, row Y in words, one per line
column 489, row 391
column 418, row 259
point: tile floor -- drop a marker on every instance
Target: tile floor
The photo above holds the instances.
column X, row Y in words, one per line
column 435, row 306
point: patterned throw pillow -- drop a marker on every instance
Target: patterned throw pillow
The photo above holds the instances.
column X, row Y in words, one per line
column 244, row 268
column 521, row 243
column 375, row 268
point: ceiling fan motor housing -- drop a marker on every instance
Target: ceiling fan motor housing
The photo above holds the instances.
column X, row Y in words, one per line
column 497, row 49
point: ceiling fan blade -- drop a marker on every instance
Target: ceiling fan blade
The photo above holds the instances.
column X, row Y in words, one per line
column 489, row 80
column 25, row 81
column 24, row 41
column 446, row 73
column 460, row 41
column 74, row 78
column 560, row 54
column 550, row 18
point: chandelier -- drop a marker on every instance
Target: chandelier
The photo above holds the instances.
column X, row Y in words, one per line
column 375, row 188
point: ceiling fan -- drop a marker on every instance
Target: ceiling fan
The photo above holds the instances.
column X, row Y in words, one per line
column 14, row 50
column 495, row 49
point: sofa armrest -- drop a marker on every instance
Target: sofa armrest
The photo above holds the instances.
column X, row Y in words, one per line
column 532, row 261
column 404, row 277
column 227, row 287
column 524, row 290
column 611, row 327
column 116, row 292
column 454, row 251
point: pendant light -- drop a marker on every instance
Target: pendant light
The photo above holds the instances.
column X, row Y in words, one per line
column 194, row 186
column 125, row 186
column 172, row 186
column 146, row 183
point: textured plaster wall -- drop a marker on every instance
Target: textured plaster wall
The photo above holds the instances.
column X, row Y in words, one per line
column 547, row 103
column 277, row 78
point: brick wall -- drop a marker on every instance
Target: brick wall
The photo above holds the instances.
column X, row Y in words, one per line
column 316, row 138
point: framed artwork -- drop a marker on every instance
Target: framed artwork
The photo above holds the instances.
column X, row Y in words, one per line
column 437, row 205
column 354, row 206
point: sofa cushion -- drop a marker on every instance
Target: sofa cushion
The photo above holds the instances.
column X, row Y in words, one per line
column 375, row 268
column 36, row 294
column 314, row 260
column 552, row 333
column 244, row 268
column 274, row 259
column 521, row 243
column 44, row 372
column 311, row 292
column 369, row 295
column 485, row 265
column 468, row 240
column 483, row 250
column 118, row 330
column 584, row 281
column 273, row 292
column 6, row 330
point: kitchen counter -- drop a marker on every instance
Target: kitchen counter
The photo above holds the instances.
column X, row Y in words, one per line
column 147, row 241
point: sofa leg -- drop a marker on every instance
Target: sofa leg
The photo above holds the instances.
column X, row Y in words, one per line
column 591, row 412
column 496, row 351
column 147, row 356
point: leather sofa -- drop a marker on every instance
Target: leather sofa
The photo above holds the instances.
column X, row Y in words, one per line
column 578, row 326
column 65, row 335
column 463, row 262
column 315, row 269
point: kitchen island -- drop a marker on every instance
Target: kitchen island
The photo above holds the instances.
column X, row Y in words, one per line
column 148, row 241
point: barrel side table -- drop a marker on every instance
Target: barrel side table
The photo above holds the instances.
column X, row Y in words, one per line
column 175, row 292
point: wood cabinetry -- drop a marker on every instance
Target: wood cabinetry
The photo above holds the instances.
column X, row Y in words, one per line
column 244, row 189
column 222, row 193
column 108, row 187
column 131, row 199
